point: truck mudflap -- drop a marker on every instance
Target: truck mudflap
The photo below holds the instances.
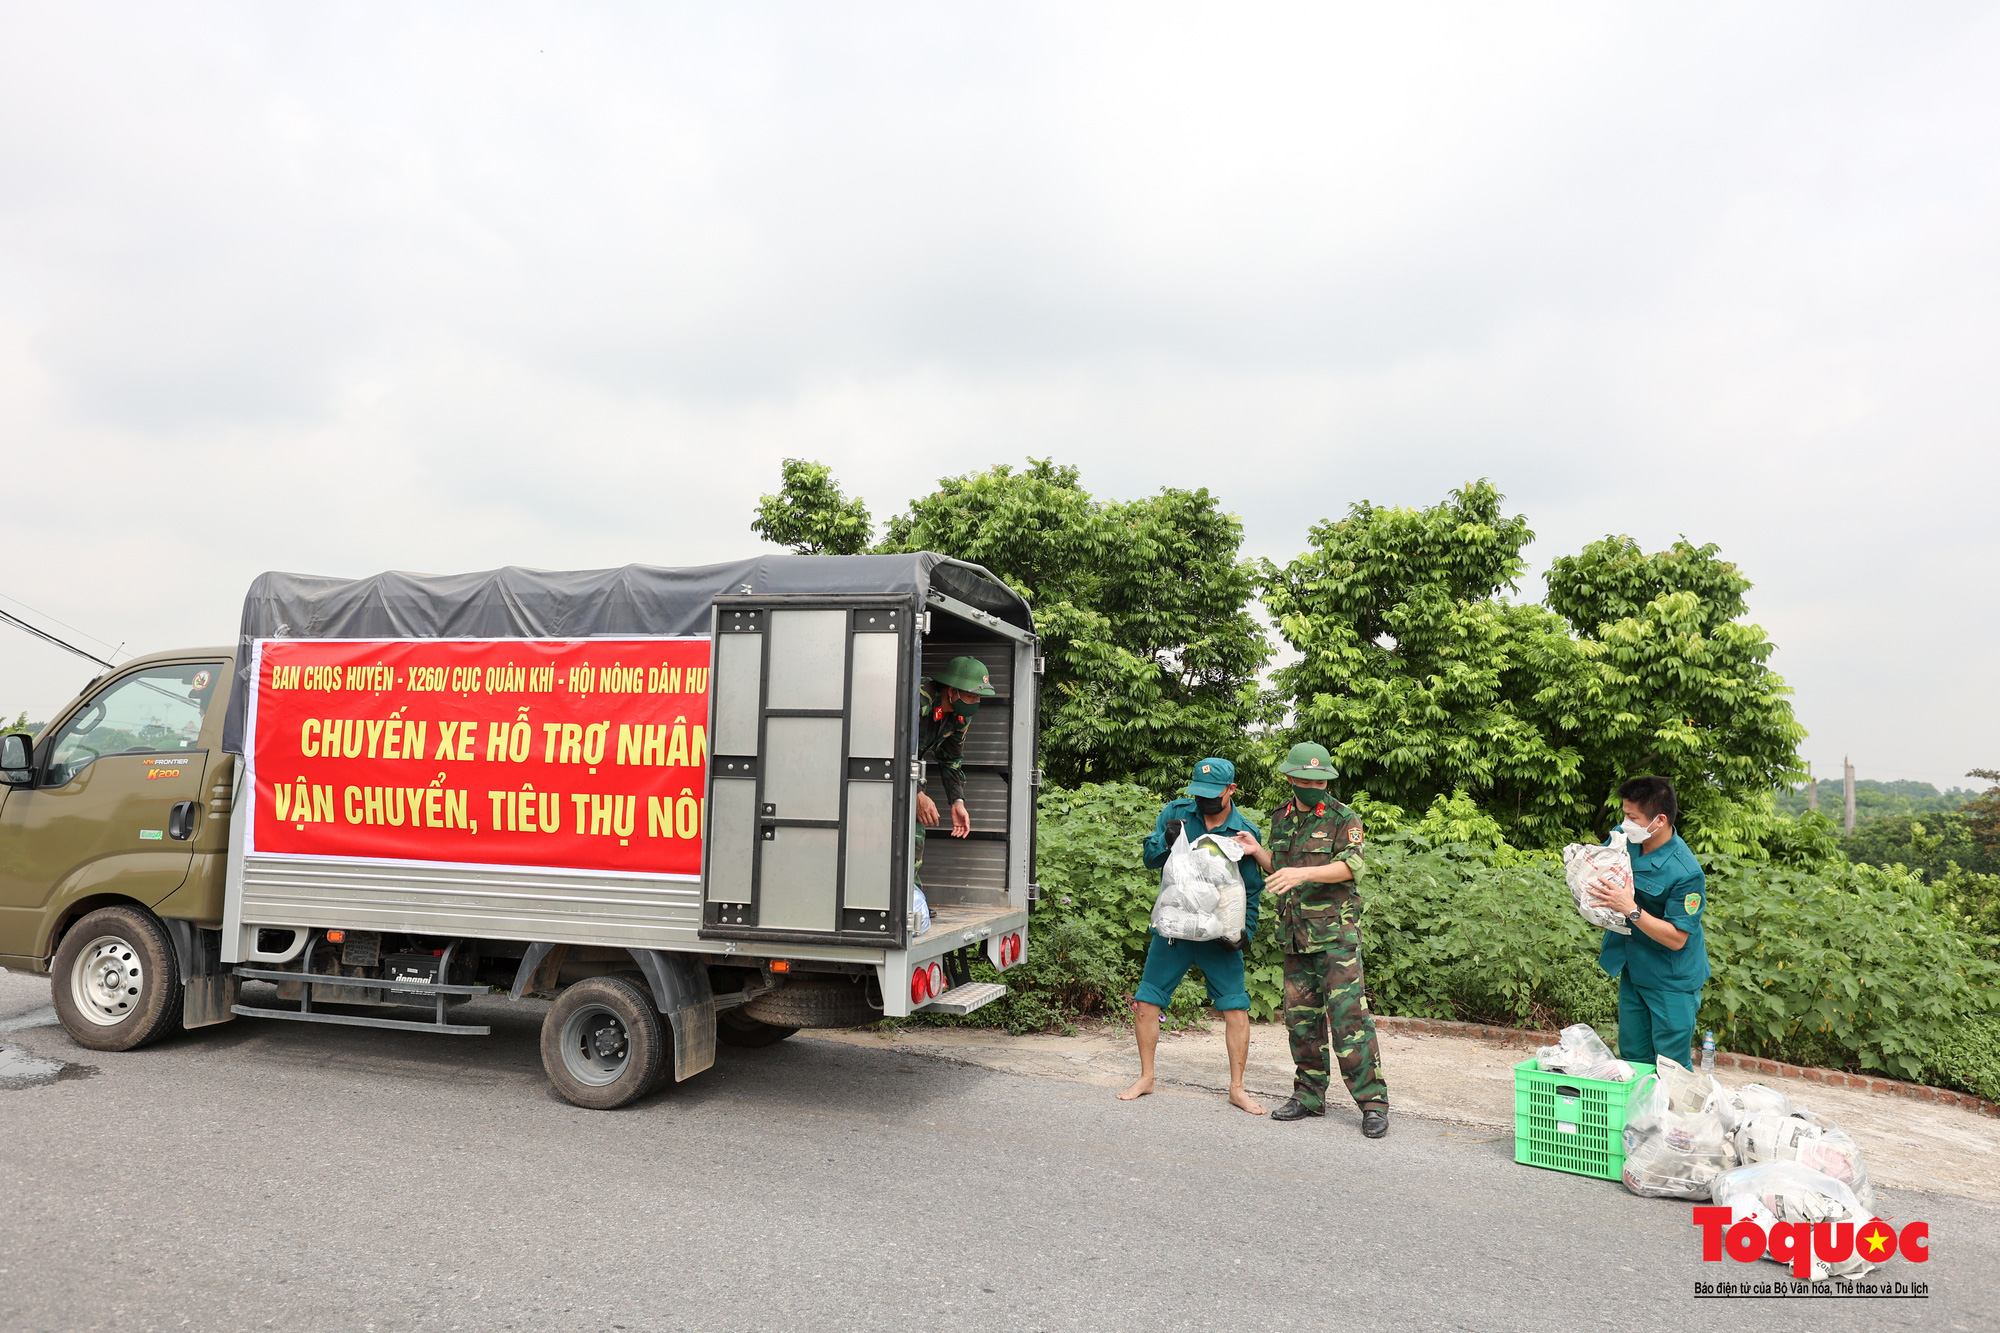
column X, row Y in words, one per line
column 681, row 989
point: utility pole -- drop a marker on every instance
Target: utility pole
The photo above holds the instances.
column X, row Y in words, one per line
column 1850, row 791
column 1812, row 789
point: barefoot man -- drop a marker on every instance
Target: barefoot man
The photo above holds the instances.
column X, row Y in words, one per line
column 1209, row 807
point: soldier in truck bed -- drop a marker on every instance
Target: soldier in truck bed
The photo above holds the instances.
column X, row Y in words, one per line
column 945, row 705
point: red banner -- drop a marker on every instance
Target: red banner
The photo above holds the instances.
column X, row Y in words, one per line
column 582, row 754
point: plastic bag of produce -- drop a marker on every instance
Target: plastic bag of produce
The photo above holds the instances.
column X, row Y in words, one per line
column 1675, row 1145
column 1580, row 1051
column 1748, row 1100
column 1201, row 890
column 1810, row 1141
column 1584, row 866
column 1773, row 1192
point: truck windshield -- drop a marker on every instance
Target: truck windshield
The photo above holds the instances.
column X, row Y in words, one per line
column 160, row 708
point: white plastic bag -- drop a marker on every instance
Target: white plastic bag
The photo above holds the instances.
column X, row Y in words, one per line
column 1201, row 890
column 1769, row 1192
column 1769, row 1136
column 1584, row 866
column 1580, row 1051
column 1748, row 1100
column 1675, row 1145
column 920, row 912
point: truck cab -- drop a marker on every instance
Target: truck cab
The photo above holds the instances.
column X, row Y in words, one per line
column 116, row 816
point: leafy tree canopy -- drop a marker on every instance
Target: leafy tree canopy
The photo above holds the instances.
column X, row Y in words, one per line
column 810, row 515
column 1982, row 815
column 1933, row 843
column 1875, row 800
column 1143, row 607
column 1425, row 680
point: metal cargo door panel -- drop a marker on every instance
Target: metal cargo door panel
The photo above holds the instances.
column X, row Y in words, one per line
column 808, row 837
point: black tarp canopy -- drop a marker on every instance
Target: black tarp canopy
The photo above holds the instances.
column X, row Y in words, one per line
column 515, row 603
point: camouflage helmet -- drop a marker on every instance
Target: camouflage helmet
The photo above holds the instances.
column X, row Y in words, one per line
column 965, row 673
column 1306, row 760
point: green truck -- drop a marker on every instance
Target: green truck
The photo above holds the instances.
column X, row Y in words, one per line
column 393, row 794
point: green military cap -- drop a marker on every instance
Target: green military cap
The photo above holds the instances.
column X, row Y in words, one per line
column 1306, row 760
column 965, row 673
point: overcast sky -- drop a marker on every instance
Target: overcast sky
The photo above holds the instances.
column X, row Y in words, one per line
column 339, row 289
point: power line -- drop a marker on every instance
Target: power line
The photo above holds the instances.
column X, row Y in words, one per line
column 65, row 624
column 47, row 637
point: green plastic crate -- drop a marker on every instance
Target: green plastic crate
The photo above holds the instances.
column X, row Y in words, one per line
column 1572, row 1124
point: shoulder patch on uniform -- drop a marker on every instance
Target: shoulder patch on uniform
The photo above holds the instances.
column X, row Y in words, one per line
column 1692, row 903
column 1354, row 835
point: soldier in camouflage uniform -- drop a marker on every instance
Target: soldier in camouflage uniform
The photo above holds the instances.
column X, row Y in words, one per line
column 1312, row 870
column 945, row 705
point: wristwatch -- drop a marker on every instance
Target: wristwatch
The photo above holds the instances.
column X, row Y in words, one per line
column 1632, row 918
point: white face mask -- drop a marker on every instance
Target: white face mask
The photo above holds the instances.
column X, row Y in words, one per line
column 1634, row 831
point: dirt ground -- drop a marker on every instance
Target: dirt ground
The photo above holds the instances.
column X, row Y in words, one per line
column 1466, row 1081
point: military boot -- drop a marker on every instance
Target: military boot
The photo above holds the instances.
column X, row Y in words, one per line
column 1375, row 1122
column 1292, row 1110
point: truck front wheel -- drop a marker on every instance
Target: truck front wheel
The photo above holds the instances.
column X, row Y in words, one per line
column 116, row 981
column 603, row 1043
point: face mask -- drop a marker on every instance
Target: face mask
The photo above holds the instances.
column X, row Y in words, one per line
column 965, row 708
column 1634, row 831
column 1208, row 805
column 1308, row 796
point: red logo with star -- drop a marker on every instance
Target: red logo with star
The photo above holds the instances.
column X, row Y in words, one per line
column 1875, row 1240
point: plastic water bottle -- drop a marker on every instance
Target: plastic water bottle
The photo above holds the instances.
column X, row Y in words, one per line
column 1708, row 1052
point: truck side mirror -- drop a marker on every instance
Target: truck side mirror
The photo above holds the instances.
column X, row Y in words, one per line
column 17, row 760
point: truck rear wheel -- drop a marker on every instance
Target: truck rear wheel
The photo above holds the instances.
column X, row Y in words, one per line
column 117, row 984
column 733, row 1029
column 603, row 1043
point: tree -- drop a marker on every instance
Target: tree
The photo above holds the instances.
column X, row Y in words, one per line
column 1424, row 680
column 1143, row 609
column 810, row 515
column 1982, row 813
column 1414, row 673
column 1671, row 682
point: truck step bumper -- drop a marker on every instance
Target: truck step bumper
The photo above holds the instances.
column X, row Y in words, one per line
column 964, row 999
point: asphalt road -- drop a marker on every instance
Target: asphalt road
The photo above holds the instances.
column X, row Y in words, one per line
column 269, row 1175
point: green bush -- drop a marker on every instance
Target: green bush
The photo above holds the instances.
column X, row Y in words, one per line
column 1970, row 1059
column 1849, row 966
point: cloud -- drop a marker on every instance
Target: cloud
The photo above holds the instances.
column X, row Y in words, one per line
column 352, row 289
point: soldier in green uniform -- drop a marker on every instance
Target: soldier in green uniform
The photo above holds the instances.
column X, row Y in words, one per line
column 1312, row 869
column 945, row 705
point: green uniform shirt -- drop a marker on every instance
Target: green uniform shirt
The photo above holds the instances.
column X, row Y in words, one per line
column 1316, row 917
column 1669, row 885
column 941, row 739
column 1183, row 812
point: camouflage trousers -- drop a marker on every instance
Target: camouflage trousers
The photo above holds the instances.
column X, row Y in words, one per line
column 1323, row 994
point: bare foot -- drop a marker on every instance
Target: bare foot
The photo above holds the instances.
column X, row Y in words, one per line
column 1242, row 1101
column 1137, row 1090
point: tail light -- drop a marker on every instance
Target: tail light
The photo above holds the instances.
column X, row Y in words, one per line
column 920, row 985
column 937, row 979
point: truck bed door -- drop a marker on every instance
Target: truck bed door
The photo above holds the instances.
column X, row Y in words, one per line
column 808, row 833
